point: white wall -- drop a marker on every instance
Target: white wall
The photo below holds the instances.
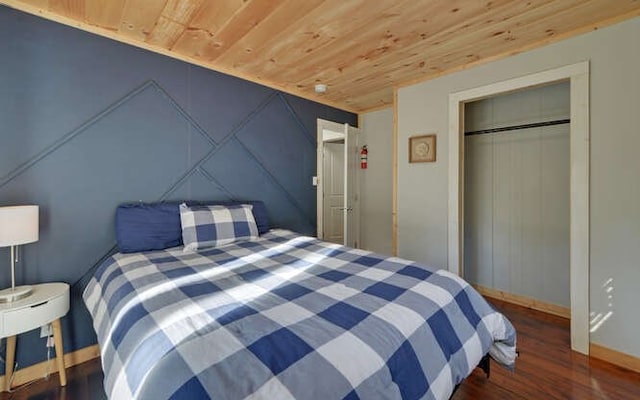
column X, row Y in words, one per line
column 516, row 195
column 614, row 53
column 376, row 182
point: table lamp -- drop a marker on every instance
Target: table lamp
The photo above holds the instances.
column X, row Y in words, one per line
column 18, row 225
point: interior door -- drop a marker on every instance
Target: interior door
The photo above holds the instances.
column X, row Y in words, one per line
column 333, row 172
column 351, row 208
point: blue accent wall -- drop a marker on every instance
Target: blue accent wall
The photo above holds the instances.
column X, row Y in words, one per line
column 87, row 123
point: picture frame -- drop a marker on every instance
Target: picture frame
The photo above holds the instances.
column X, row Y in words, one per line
column 422, row 148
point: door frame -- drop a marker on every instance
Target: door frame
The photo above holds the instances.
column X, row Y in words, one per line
column 351, row 212
column 578, row 75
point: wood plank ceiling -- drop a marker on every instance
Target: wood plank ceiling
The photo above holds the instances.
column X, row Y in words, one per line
column 360, row 49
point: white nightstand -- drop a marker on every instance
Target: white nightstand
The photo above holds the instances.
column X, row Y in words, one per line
column 47, row 304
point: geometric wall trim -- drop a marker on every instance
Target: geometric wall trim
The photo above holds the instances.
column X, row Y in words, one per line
column 88, row 123
column 197, row 168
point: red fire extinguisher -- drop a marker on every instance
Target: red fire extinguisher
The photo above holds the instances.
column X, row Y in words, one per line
column 363, row 157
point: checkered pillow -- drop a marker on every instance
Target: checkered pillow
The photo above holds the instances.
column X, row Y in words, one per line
column 212, row 226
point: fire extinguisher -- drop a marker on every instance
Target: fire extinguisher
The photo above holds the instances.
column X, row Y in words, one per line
column 363, row 157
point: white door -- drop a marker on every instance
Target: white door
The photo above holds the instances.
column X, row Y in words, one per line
column 351, row 207
column 333, row 173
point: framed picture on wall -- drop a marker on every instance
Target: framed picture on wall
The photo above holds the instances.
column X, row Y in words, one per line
column 422, row 148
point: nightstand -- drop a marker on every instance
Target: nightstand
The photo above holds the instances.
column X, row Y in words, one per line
column 47, row 304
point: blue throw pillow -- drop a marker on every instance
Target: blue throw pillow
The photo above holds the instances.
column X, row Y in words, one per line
column 260, row 214
column 213, row 226
column 144, row 227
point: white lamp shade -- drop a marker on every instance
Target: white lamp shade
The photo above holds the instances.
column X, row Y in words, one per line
column 18, row 225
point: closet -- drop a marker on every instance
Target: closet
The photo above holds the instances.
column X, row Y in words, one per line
column 516, row 194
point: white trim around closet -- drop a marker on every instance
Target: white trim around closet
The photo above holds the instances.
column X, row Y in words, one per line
column 578, row 75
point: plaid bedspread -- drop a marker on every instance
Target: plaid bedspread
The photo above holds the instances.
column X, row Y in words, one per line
column 287, row 317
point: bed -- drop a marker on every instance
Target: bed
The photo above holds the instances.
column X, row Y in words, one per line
column 286, row 316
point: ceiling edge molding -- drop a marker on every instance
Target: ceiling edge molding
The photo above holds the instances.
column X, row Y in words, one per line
column 376, row 108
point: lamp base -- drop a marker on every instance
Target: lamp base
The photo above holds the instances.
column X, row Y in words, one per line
column 14, row 294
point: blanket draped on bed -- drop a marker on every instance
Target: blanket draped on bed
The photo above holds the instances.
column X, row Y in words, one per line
column 287, row 317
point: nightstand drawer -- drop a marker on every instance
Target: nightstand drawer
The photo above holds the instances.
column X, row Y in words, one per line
column 31, row 317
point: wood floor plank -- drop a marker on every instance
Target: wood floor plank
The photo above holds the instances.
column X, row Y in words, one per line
column 546, row 369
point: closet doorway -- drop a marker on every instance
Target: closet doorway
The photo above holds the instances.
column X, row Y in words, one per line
column 578, row 77
column 516, row 197
column 338, row 205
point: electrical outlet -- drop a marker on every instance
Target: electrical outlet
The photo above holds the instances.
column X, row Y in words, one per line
column 46, row 331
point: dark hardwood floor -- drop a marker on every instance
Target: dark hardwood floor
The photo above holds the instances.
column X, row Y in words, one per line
column 84, row 381
column 546, row 369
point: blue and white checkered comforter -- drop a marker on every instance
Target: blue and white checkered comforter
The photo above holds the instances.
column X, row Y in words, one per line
column 287, row 317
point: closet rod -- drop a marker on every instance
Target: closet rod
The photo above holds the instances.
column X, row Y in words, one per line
column 518, row 127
